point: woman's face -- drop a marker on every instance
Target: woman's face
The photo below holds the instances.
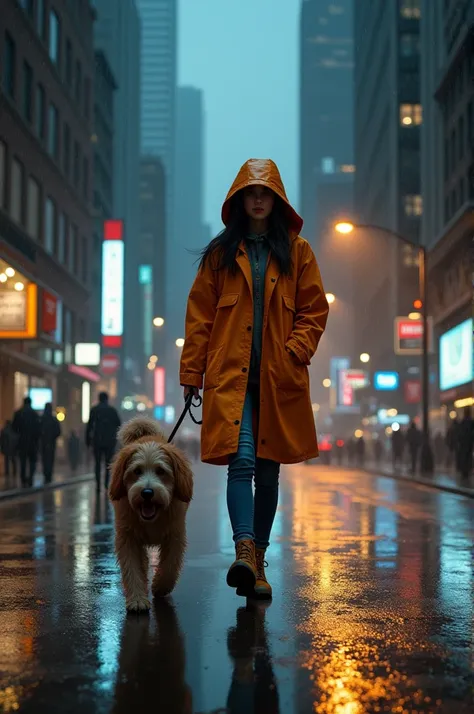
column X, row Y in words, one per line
column 258, row 202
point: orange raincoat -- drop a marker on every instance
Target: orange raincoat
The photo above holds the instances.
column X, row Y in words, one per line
column 218, row 342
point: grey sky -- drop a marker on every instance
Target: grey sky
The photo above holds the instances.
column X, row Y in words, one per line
column 244, row 55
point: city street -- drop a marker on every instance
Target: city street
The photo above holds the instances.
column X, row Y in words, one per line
column 373, row 608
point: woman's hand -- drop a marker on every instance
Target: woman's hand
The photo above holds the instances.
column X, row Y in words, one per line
column 191, row 390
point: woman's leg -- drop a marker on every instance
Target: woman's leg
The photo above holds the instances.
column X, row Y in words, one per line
column 240, row 477
column 266, row 500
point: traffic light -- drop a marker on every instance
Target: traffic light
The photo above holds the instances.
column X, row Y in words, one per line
column 417, row 304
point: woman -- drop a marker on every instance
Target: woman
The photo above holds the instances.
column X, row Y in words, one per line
column 255, row 315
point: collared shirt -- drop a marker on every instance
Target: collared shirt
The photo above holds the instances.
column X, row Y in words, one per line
column 258, row 251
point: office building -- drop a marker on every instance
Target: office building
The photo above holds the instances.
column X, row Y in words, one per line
column 117, row 33
column 46, row 110
column 447, row 170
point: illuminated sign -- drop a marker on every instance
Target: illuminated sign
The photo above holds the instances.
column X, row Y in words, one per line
column 412, row 391
column 112, row 284
column 18, row 313
column 358, row 379
column 169, row 414
column 455, row 356
column 50, row 312
column 386, row 381
column 87, row 354
column 145, row 273
column 408, row 336
column 109, row 364
column 159, row 384
column 385, row 418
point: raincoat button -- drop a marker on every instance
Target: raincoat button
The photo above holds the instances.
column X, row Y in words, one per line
column 263, row 441
column 273, row 280
column 236, row 422
column 249, row 328
column 244, row 369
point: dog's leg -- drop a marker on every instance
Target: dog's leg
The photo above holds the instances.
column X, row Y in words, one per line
column 133, row 561
column 171, row 561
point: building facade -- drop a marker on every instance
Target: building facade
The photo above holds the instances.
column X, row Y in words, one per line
column 388, row 117
column 326, row 104
column 46, row 160
column 447, row 41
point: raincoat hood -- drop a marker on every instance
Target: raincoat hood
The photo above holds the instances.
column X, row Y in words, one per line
column 262, row 172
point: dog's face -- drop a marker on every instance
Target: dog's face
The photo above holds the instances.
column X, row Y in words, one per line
column 150, row 474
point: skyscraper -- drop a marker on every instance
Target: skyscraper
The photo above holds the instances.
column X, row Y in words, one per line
column 326, row 106
column 117, row 33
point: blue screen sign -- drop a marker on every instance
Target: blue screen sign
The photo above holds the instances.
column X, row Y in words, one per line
column 386, row 381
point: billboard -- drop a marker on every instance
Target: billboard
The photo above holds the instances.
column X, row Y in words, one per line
column 386, row 381
column 19, row 312
column 408, row 336
column 87, row 354
column 112, row 284
column 455, row 356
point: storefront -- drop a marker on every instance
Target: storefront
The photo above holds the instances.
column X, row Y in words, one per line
column 456, row 367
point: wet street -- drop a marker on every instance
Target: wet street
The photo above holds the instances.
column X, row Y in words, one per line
column 373, row 607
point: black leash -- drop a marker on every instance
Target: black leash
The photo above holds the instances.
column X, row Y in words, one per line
column 187, row 408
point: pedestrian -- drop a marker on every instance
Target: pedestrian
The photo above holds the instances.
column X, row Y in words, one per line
column 50, row 432
column 255, row 315
column 101, row 435
column 413, row 440
column 26, row 424
column 73, row 450
column 398, row 446
column 465, row 444
column 439, row 443
column 378, row 451
column 9, row 448
column 360, row 451
column 451, row 443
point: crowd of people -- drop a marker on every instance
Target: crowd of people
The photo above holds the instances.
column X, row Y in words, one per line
column 451, row 450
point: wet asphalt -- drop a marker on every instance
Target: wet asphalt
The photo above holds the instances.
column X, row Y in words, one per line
column 373, row 608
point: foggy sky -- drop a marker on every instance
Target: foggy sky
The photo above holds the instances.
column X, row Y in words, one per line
column 244, row 55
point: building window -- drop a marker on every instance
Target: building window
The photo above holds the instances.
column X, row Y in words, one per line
column 72, row 248
column 409, row 45
column 3, row 173
column 54, row 37
column 77, row 160
column 413, row 205
column 85, row 179
column 41, row 19
column 27, row 6
column 62, row 225
column 78, row 82
column 17, row 180
column 67, row 150
column 410, row 9
column 328, row 165
column 53, row 121
column 27, row 92
column 411, row 114
column 33, row 209
column 9, row 66
column 49, row 225
column 68, row 63
column 40, row 110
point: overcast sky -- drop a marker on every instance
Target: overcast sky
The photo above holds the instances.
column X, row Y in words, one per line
column 244, row 55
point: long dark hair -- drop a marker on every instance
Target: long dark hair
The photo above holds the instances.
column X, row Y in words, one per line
column 223, row 248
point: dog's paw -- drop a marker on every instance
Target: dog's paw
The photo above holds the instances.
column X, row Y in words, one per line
column 162, row 590
column 138, row 604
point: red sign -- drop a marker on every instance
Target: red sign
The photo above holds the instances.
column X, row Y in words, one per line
column 113, row 230
column 84, row 372
column 409, row 336
column 412, row 389
column 109, row 364
column 49, row 312
column 159, row 379
column 346, row 391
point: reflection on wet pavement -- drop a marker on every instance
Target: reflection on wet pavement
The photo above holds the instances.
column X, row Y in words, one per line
column 373, row 608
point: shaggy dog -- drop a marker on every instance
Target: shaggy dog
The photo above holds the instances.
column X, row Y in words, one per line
column 151, row 487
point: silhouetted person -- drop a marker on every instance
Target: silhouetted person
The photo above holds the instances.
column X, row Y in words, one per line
column 50, row 431
column 9, row 448
column 378, row 451
column 351, row 450
column 452, row 442
column 439, row 448
column 339, row 451
column 101, row 434
column 73, row 450
column 26, row 424
column 413, row 439
column 465, row 444
column 398, row 444
column 360, row 451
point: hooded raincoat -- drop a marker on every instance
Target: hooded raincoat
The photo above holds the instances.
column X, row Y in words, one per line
column 218, row 342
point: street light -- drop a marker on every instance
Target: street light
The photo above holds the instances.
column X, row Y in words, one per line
column 179, row 342
column 364, row 357
column 345, row 227
column 330, row 297
column 158, row 322
column 326, row 383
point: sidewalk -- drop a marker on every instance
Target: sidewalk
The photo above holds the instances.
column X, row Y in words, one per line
column 442, row 480
column 11, row 487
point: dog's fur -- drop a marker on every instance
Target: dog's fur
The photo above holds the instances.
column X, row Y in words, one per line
column 146, row 461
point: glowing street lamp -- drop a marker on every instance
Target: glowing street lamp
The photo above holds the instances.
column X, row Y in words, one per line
column 179, row 342
column 364, row 357
column 330, row 297
column 326, row 383
column 158, row 322
column 344, row 227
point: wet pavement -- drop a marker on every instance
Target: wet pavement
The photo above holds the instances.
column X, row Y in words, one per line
column 373, row 608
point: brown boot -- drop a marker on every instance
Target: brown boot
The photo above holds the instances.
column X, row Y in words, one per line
column 243, row 571
column 263, row 589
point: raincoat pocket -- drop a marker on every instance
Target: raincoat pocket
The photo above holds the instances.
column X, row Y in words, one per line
column 213, row 368
column 293, row 376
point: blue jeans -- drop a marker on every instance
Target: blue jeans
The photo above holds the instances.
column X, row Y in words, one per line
column 251, row 518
